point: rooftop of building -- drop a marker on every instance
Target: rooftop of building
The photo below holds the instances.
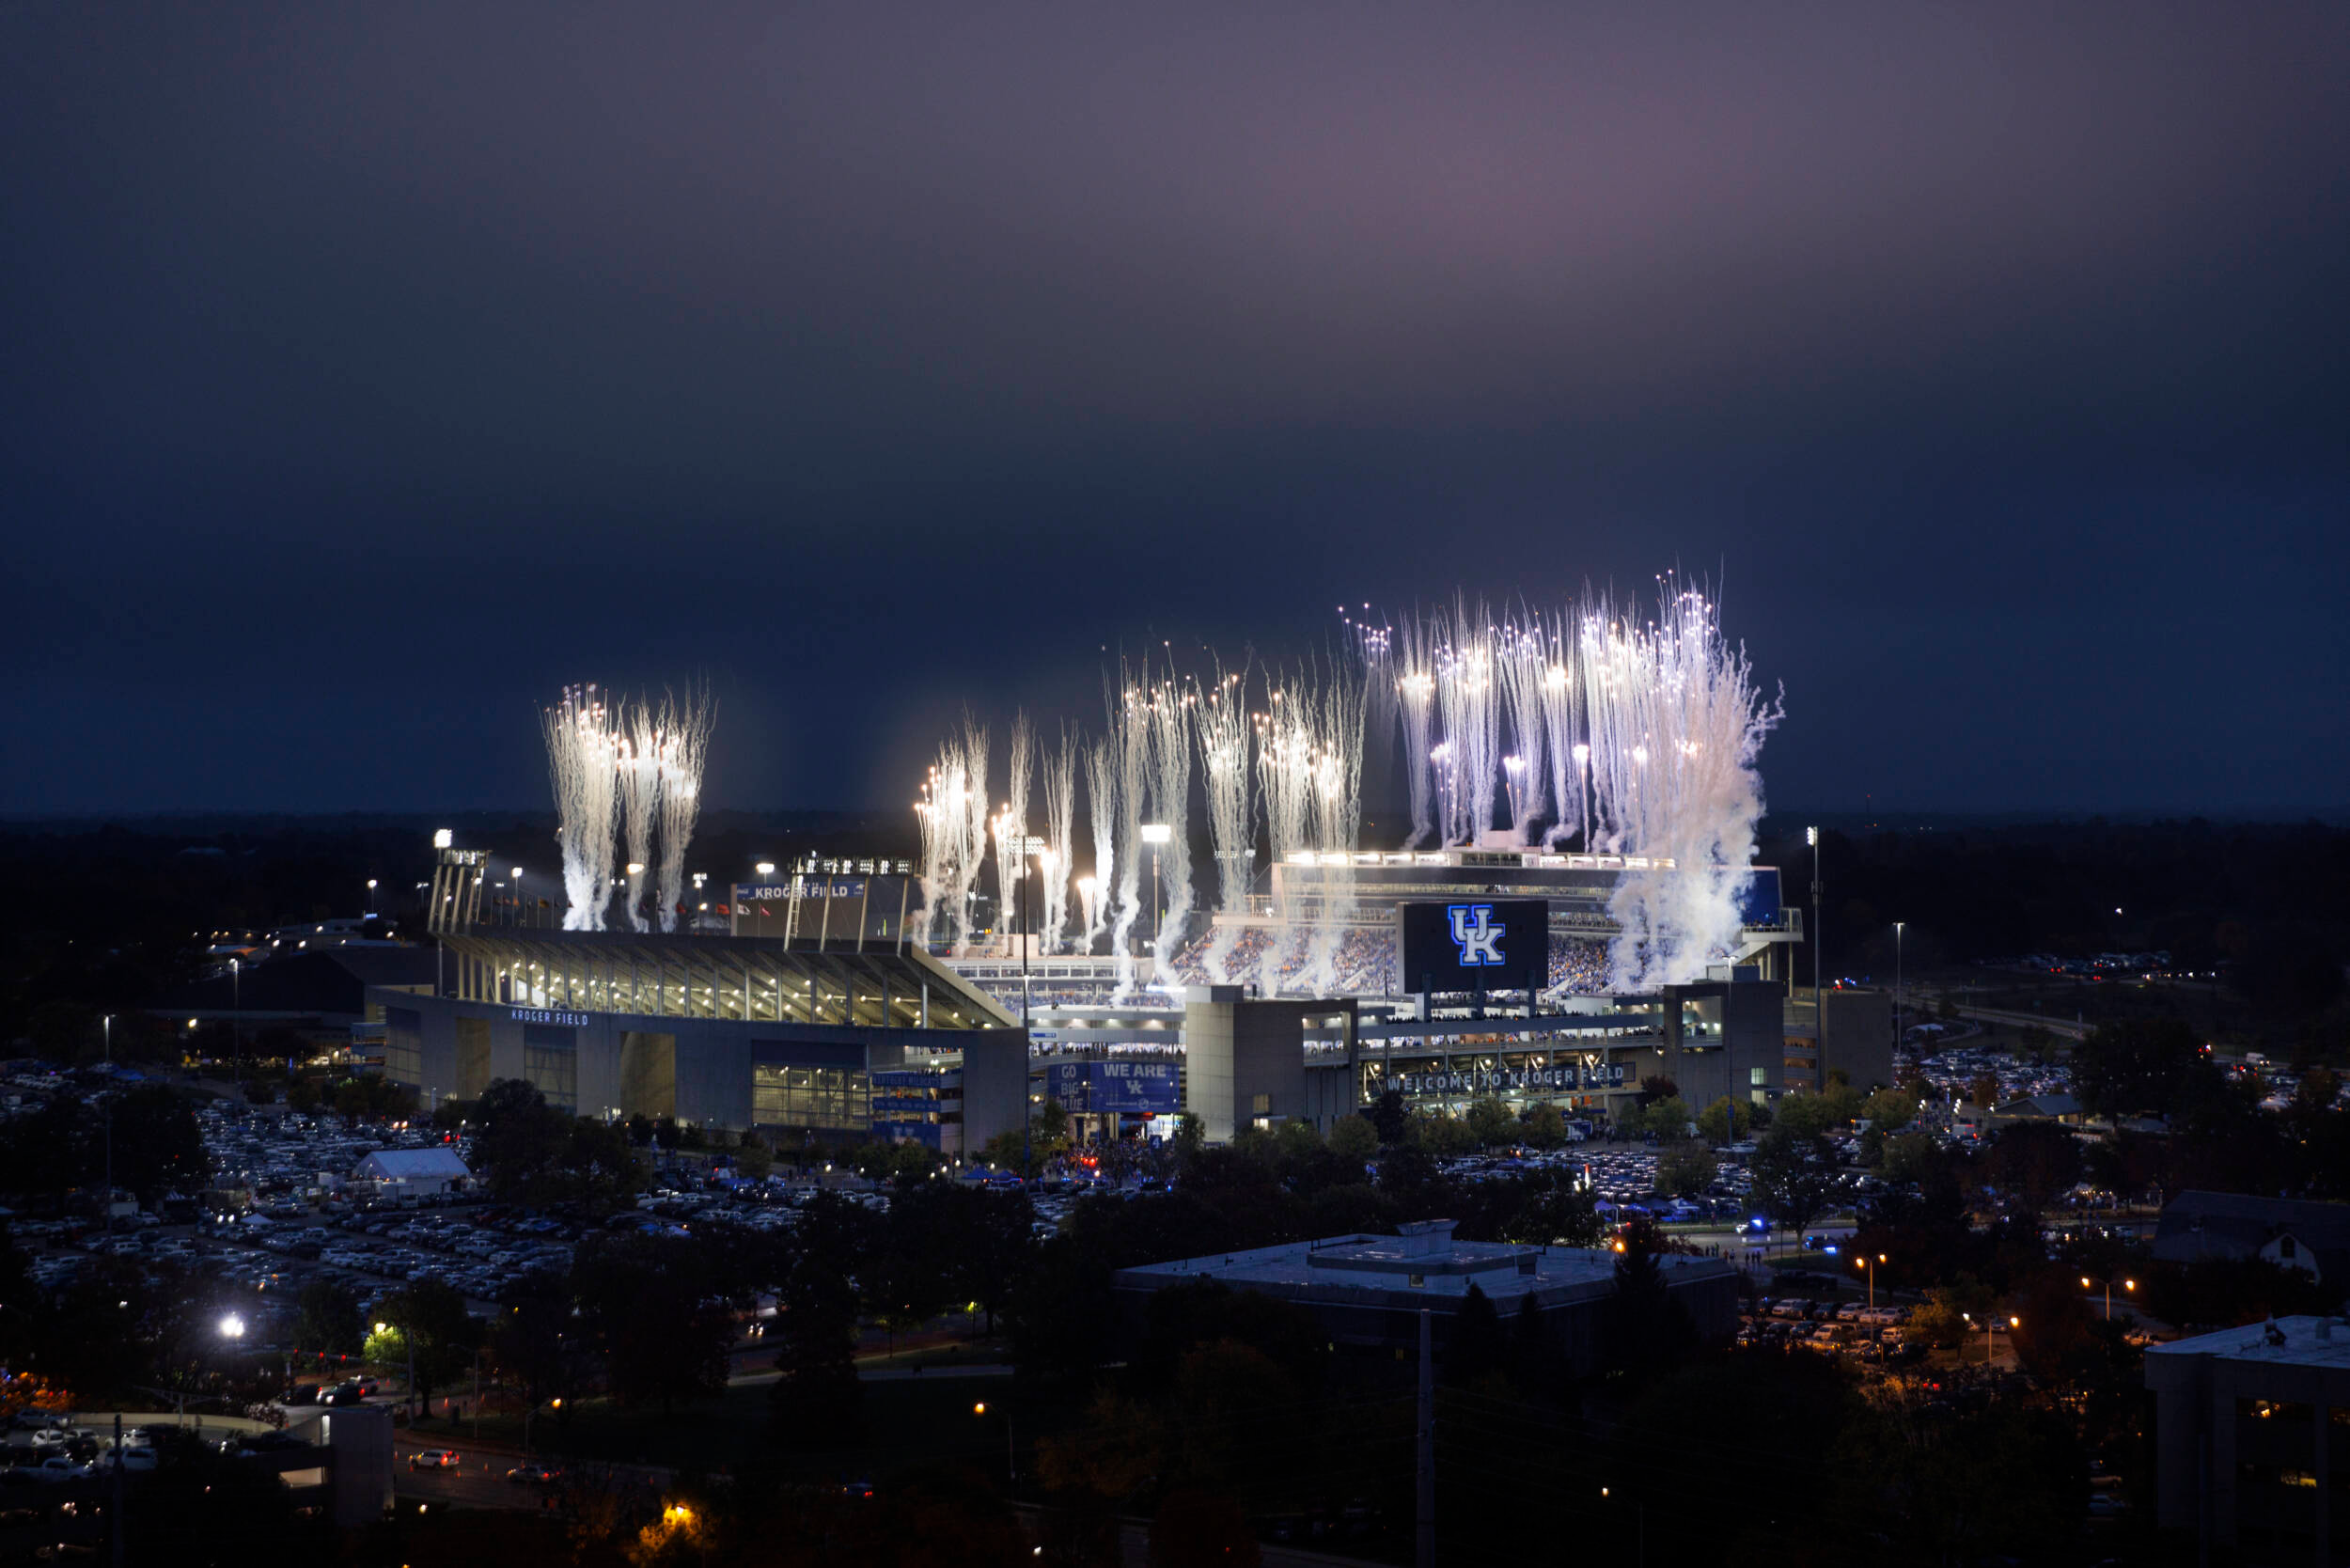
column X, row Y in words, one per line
column 806, row 979
column 408, row 1163
column 1426, row 1261
column 2294, row 1341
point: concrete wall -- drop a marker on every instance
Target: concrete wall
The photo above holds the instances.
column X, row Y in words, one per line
column 994, row 1084
column 648, row 1073
column 1208, row 1065
column 1246, row 1060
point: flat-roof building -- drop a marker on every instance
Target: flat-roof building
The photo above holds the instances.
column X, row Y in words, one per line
column 1368, row 1290
column 2253, row 1437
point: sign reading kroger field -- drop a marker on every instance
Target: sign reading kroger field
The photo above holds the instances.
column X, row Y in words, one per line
column 1477, row 945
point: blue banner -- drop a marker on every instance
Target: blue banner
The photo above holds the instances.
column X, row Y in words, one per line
column 1100, row 1087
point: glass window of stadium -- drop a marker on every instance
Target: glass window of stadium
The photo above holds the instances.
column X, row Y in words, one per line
column 828, row 1099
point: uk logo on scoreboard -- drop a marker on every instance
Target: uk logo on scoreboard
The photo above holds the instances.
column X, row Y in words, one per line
column 1476, row 935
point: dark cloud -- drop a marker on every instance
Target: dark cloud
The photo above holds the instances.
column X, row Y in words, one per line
column 372, row 371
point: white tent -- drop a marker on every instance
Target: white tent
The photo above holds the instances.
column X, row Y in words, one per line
column 414, row 1170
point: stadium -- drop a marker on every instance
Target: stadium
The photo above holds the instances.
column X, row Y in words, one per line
column 1616, row 931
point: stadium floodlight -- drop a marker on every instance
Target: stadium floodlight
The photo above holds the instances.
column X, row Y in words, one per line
column 1155, row 833
column 444, row 838
column 765, row 868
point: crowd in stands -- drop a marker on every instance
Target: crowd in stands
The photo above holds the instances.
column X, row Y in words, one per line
column 1578, row 965
column 1365, row 964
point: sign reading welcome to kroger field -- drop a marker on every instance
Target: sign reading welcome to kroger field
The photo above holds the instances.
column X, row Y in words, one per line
column 1566, row 1075
column 1477, row 945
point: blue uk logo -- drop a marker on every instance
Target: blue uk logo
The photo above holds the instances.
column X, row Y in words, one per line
column 1475, row 935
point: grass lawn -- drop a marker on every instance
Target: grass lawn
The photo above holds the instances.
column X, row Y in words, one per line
column 908, row 1423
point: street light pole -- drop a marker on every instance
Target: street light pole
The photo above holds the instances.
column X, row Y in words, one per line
column 1155, row 833
column 108, row 1025
column 1897, row 981
column 1870, row 1269
column 1819, row 996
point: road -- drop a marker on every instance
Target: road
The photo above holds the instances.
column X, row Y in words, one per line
column 478, row 1478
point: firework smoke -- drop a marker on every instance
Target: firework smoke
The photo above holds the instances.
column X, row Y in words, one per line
column 1060, row 815
column 684, row 744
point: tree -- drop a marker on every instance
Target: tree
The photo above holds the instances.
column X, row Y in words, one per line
column 329, row 1319
column 2141, row 1067
column 1725, row 1122
column 1355, row 1140
column 1815, row 1114
column 754, row 1160
column 1545, row 1126
column 1390, row 1117
column 429, row 1317
column 1685, row 1173
column 1667, row 1119
column 2035, row 1162
column 1490, row 1122
column 158, row 1147
column 1912, row 1158
column 1446, row 1137
column 1052, row 1122
column 1793, row 1177
column 1019, row 1152
column 530, row 1343
column 648, row 1306
column 1548, row 1211
column 816, row 1400
column 526, row 1152
column 1888, row 1110
column 1648, row 1328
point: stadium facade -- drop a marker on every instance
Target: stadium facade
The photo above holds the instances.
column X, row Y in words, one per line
column 805, row 1011
column 832, row 1035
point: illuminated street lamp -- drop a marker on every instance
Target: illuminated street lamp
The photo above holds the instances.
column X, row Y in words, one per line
column 1869, row 1268
column 2126, row 1285
column 1011, row 1463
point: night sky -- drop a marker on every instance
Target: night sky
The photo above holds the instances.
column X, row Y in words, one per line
column 369, row 370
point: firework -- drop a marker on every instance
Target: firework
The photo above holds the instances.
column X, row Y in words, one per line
column 683, row 739
column 582, row 757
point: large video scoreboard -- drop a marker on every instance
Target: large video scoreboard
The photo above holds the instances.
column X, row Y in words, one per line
column 1476, row 944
